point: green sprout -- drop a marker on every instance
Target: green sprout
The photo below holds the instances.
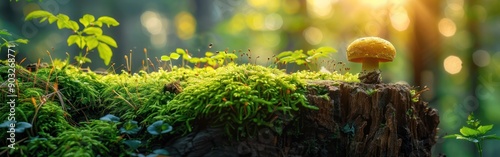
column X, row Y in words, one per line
column 90, row 37
column 9, row 43
column 475, row 133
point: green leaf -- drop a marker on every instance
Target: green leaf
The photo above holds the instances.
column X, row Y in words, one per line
column 5, row 32
column 87, row 19
column 105, row 52
column 300, row 61
column 491, row 137
column 194, row 60
column 325, row 50
column 74, row 26
column 180, row 51
column 52, row 19
column 483, row 129
column 472, row 121
column 108, row 40
column 159, row 127
column 232, row 56
column 130, row 127
column 468, row 139
column 466, row 131
column 211, row 62
column 452, row 136
column 174, row 55
column 22, row 41
column 92, row 42
column 186, row 57
column 209, row 54
column 93, row 31
column 165, row 58
column 133, row 144
column 108, row 21
column 38, row 14
column 72, row 39
column 110, row 118
column 43, row 19
column 284, row 54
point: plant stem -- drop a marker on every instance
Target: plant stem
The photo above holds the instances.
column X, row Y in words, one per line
column 479, row 148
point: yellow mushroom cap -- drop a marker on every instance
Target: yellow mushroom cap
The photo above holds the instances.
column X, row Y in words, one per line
column 370, row 47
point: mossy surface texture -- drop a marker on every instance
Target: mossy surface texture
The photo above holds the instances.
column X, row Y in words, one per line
column 64, row 104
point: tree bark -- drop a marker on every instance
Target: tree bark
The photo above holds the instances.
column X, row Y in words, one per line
column 354, row 119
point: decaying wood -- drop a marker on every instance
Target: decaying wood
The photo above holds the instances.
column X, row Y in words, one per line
column 354, row 119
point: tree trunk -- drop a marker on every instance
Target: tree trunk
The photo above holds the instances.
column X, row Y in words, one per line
column 353, row 119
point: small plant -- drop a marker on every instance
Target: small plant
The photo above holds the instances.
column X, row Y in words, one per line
column 9, row 43
column 475, row 132
column 17, row 127
column 90, row 37
column 309, row 58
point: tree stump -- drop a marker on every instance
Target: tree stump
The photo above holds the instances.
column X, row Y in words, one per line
column 354, row 119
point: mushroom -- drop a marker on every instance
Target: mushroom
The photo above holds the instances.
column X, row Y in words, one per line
column 369, row 51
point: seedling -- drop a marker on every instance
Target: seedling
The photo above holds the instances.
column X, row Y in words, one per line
column 89, row 38
column 9, row 43
column 475, row 132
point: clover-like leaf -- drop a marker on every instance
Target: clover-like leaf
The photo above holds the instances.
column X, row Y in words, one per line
column 180, row 51
column 159, row 152
column 159, row 127
column 110, row 118
column 165, row 58
column 209, row 54
column 133, row 144
column 174, row 55
column 19, row 127
column 130, row 127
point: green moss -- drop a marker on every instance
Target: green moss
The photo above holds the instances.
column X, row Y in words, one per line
column 61, row 102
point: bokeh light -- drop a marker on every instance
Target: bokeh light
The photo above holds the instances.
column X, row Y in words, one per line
column 447, row 27
column 481, row 58
column 319, row 8
column 273, row 21
column 186, row 25
column 151, row 21
column 452, row 64
column 399, row 18
column 313, row 35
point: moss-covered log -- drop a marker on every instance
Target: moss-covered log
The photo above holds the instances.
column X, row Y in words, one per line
column 354, row 119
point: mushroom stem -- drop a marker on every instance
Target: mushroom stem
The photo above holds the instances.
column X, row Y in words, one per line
column 369, row 64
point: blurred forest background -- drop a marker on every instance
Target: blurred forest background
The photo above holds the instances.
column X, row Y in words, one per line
column 450, row 46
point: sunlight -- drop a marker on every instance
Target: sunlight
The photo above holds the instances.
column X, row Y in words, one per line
column 452, row 64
